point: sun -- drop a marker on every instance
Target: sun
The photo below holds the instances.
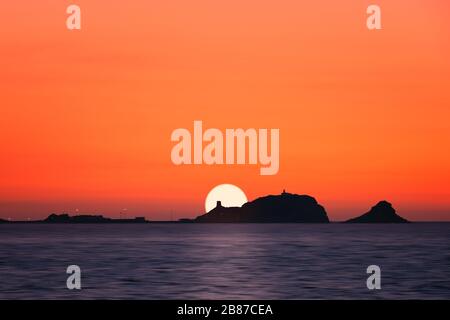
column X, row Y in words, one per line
column 229, row 195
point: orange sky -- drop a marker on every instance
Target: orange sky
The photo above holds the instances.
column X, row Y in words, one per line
column 86, row 116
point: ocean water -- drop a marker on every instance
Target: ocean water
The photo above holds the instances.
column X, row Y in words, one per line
column 225, row 261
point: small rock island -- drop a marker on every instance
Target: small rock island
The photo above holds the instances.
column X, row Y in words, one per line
column 382, row 212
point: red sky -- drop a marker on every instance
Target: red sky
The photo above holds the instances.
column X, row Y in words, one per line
column 86, row 116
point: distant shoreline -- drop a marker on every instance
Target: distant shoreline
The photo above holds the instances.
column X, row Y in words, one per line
column 282, row 208
column 41, row 222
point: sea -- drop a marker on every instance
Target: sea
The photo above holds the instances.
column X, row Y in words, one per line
column 225, row 261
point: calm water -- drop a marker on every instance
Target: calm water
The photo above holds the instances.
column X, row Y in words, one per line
column 225, row 261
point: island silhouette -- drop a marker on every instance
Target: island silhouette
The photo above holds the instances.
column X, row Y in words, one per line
column 382, row 212
column 65, row 218
column 282, row 208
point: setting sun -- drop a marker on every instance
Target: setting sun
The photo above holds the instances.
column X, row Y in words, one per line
column 228, row 195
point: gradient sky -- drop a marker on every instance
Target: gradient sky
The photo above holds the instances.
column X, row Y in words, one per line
column 86, row 116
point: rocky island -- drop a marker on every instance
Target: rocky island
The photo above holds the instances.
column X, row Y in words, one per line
column 382, row 212
column 283, row 208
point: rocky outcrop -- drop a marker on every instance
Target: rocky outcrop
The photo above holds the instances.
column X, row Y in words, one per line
column 283, row 208
column 382, row 212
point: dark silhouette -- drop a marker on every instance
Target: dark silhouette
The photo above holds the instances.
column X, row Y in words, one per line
column 382, row 212
column 284, row 208
column 65, row 218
